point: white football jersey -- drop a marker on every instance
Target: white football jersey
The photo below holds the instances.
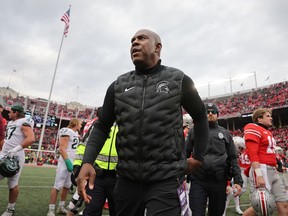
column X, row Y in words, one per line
column 72, row 144
column 14, row 135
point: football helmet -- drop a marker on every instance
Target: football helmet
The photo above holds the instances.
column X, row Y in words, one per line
column 239, row 142
column 278, row 150
column 187, row 120
column 9, row 166
column 263, row 202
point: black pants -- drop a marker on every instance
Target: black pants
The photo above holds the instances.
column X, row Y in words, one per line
column 209, row 189
column 158, row 198
column 103, row 188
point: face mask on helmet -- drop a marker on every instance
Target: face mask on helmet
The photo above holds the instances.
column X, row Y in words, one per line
column 263, row 202
column 9, row 166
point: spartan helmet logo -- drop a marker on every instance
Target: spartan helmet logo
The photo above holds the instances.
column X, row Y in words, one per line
column 162, row 87
column 9, row 166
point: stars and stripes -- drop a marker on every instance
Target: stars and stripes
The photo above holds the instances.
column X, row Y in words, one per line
column 66, row 19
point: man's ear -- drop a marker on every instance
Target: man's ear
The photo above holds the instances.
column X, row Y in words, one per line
column 158, row 48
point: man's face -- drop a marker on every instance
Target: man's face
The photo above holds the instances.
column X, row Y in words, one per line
column 79, row 126
column 143, row 47
column 266, row 119
column 12, row 115
column 212, row 115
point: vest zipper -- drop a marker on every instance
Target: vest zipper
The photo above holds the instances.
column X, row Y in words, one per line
column 140, row 149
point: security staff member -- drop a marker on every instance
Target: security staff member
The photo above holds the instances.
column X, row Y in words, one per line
column 104, row 183
column 210, row 179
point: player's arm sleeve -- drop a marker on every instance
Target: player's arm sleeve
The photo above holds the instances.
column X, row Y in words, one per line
column 101, row 128
column 193, row 104
column 252, row 139
column 252, row 150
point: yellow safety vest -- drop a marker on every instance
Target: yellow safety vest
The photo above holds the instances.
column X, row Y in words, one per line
column 107, row 158
column 79, row 154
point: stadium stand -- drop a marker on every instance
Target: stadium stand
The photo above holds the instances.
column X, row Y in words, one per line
column 235, row 112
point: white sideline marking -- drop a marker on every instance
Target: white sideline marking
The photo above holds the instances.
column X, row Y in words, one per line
column 28, row 186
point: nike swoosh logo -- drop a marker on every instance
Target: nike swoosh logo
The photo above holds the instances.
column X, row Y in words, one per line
column 128, row 89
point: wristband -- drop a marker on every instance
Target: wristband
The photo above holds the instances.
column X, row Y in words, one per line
column 258, row 172
column 69, row 165
column 13, row 151
column 18, row 148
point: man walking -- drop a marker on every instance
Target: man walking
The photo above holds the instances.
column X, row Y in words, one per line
column 69, row 140
column 146, row 104
column 19, row 135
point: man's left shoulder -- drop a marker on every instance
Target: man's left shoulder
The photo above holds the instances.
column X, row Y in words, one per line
column 25, row 122
column 171, row 69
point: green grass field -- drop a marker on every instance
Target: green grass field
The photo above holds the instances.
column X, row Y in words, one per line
column 35, row 185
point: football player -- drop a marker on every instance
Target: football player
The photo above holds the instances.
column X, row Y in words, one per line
column 19, row 135
column 260, row 146
column 244, row 163
column 280, row 158
column 69, row 140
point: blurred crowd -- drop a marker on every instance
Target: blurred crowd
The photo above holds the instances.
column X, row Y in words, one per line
column 272, row 96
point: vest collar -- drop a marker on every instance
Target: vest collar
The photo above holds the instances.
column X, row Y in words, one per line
column 150, row 71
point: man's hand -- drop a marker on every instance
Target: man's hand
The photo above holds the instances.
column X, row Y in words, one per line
column 192, row 164
column 87, row 173
column 260, row 182
column 236, row 190
column 228, row 189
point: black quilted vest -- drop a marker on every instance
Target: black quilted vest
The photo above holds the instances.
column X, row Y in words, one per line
column 149, row 116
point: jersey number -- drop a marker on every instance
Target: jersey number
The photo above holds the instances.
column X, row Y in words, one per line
column 9, row 132
column 272, row 145
column 75, row 143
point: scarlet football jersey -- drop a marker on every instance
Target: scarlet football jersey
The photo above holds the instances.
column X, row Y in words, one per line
column 260, row 144
column 243, row 160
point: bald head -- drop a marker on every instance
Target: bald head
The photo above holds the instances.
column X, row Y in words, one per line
column 145, row 48
column 153, row 35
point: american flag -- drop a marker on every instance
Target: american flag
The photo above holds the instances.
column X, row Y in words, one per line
column 66, row 19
